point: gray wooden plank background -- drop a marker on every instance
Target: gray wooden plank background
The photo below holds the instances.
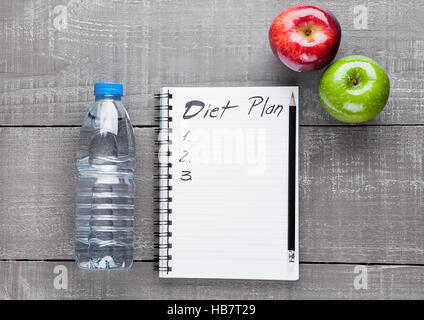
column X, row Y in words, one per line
column 361, row 197
column 362, row 188
column 47, row 75
column 35, row 280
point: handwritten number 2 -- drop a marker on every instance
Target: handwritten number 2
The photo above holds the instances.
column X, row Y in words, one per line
column 184, row 156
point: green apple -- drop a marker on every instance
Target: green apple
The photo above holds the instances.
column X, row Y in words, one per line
column 354, row 89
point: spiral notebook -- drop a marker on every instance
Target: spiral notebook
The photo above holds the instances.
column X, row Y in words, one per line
column 228, row 183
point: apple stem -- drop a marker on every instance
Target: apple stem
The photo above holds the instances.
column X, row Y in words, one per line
column 354, row 81
column 308, row 32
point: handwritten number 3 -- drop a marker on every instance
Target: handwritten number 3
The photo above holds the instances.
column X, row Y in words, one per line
column 186, row 176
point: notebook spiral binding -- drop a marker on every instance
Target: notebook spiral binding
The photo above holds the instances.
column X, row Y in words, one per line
column 163, row 187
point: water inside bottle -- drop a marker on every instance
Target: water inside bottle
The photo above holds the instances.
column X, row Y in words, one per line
column 105, row 188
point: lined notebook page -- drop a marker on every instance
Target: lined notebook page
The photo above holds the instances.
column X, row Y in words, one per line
column 229, row 156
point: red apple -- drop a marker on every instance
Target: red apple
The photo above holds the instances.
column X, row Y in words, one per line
column 305, row 37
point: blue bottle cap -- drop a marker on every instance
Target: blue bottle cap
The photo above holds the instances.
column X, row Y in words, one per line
column 113, row 89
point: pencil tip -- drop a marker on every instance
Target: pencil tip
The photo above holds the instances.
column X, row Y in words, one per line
column 292, row 101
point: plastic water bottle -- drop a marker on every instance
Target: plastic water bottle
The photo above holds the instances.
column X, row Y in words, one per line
column 105, row 187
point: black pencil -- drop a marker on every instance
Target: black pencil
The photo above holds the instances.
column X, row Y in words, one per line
column 292, row 180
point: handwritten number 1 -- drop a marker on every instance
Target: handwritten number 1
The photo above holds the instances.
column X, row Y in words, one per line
column 186, row 135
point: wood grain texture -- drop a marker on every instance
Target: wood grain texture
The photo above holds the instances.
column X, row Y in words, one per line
column 47, row 75
column 362, row 194
column 362, row 189
column 35, row 280
column 37, row 207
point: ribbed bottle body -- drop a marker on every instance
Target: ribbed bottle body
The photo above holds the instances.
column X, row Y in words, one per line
column 104, row 228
